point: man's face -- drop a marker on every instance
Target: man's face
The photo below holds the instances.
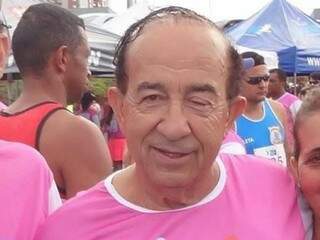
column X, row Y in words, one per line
column 275, row 85
column 313, row 81
column 78, row 71
column 175, row 111
column 257, row 90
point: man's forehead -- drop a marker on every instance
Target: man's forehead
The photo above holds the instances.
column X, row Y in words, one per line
column 274, row 75
column 258, row 70
column 179, row 44
column 168, row 32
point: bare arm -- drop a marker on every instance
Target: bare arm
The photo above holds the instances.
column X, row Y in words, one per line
column 76, row 152
column 282, row 115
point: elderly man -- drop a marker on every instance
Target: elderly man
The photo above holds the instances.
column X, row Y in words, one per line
column 277, row 91
column 176, row 95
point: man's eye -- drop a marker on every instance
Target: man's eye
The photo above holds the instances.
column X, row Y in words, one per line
column 200, row 103
column 151, row 98
column 197, row 102
column 314, row 159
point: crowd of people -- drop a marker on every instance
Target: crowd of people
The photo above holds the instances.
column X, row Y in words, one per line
column 210, row 143
column 105, row 119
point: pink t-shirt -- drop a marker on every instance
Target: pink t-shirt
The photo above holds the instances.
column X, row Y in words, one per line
column 292, row 105
column 27, row 191
column 291, row 102
column 254, row 199
column 232, row 143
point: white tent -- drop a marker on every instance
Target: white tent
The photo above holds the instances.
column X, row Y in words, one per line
column 270, row 58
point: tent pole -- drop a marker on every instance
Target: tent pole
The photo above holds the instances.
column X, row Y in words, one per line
column 295, row 83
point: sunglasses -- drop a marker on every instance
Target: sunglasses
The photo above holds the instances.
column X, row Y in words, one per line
column 257, row 80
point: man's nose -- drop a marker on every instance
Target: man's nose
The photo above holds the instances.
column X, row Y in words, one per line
column 174, row 124
column 263, row 83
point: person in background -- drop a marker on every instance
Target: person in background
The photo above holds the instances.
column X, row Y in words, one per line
column 303, row 92
column 116, row 142
column 277, row 91
column 2, row 106
column 4, row 48
column 51, row 50
column 90, row 109
column 107, row 114
column 232, row 142
column 28, row 193
column 314, row 78
column 262, row 125
column 174, row 107
column 114, row 137
column 306, row 164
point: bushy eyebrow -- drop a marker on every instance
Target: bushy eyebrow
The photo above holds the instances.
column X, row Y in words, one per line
column 202, row 88
column 150, row 86
column 313, row 151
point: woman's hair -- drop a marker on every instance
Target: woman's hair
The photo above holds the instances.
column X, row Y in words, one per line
column 310, row 105
column 87, row 100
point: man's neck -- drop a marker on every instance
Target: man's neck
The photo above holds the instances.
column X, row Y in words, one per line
column 254, row 110
column 145, row 194
column 278, row 95
column 37, row 91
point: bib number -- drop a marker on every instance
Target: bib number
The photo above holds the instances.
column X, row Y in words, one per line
column 275, row 153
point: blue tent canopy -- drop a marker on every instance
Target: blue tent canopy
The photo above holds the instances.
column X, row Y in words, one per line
column 284, row 29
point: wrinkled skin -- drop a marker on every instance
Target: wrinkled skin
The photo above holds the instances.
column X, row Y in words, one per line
column 175, row 113
column 308, row 168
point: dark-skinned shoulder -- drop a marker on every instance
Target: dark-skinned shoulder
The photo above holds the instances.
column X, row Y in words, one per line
column 75, row 150
column 279, row 109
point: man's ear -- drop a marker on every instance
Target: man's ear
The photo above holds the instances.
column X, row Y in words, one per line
column 293, row 166
column 115, row 99
column 236, row 108
column 4, row 51
column 60, row 58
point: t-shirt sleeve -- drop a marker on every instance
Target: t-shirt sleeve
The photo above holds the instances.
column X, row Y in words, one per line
column 232, row 148
column 294, row 108
column 54, row 200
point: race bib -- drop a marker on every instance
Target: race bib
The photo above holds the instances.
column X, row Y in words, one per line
column 274, row 152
